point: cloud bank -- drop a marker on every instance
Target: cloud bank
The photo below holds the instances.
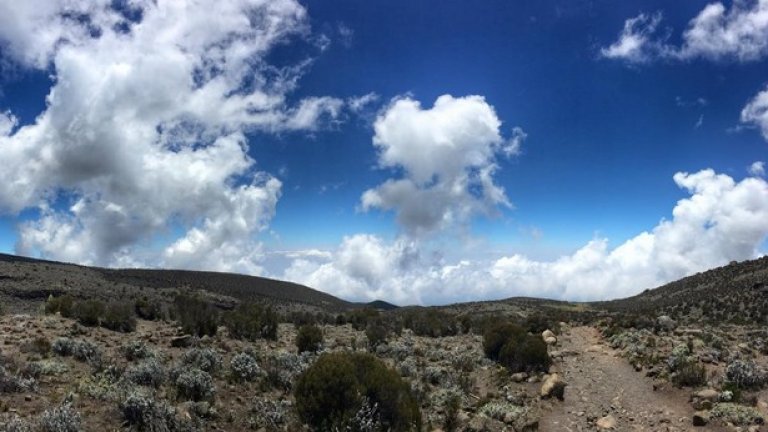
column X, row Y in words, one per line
column 722, row 220
column 144, row 130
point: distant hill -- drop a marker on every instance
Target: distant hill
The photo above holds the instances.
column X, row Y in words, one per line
column 381, row 305
column 25, row 279
column 737, row 293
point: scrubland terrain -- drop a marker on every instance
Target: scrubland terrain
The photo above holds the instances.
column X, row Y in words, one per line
column 85, row 349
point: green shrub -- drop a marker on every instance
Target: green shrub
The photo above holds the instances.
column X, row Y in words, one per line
column 309, row 338
column 498, row 335
column 119, row 317
column 360, row 318
column 244, row 367
column 690, row 374
column 148, row 372
column 515, row 349
column 252, row 321
column 195, row 385
column 62, row 304
column 331, row 392
column 89, row 312
column 148, row 310
column 195, row 315
column 377, row 333
column 431, row 323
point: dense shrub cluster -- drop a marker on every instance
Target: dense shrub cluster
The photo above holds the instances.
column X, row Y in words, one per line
column 336, row 387
column 81, row 350
column 117, row 316
column 10, row 383
column 309, row 338
column 195, row 385
column 360, row 318
column 745, row 374
column 60, row 419
column 244, row 367
column 62, row 304
column 431, row 323
column 148, row 310
column 252, row 321
column 377, row 333
column 517, row 350
column 195, row 315
column 205, row 359
column 148, row 372
column 136, row 350
column 690, row 374
column 144, row 413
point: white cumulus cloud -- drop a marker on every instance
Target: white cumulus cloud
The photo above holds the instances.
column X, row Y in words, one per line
column 739, row 33
column 722, row 220
column 144, row 132
column 447, row 155
column 757, row 169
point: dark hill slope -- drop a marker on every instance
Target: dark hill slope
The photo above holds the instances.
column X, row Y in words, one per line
column 736, row 293
column 28, row 281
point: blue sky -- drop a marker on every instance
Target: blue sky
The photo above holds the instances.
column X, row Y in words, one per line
column 613, row 100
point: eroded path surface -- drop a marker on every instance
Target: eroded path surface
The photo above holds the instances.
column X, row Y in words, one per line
column 605, row 393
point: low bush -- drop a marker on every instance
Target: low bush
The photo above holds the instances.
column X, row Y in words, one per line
column 62, row 304
column 119, row 317
column 252, row 321
column 745, row 374
column 690, row 374
column 244, row 367
column 89, row 312
column 148, row 310
column 377, row 333
column 205, row 359
column 136, row 350
column 360, row 318
column 431, row 323
column 60, row 419
column 195, row 315
column 309, row 338
column 195, row 385
column 515, row 349
column 336, row 387
column 145, row 414
column 147, row 373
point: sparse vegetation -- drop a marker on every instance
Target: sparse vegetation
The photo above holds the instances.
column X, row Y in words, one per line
column 252, row 321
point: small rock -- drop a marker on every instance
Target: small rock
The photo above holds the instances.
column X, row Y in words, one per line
column 607, row 422
column 707, row 394
column 700, row 418
column 518, row 377
column 553, row 386
column 550, row 340
column 181, row 341
column 547, row 334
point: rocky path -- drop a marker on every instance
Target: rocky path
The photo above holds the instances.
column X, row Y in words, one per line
column 605, row 393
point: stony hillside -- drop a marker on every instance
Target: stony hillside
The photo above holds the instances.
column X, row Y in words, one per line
column 736, row 293
column 26, row 282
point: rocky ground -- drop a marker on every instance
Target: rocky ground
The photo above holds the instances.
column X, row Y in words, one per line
column 605, row 392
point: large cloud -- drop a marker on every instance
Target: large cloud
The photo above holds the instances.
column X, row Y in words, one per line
column 448, row 157
column 143, row 134
column 716, row 33
column 722, row 220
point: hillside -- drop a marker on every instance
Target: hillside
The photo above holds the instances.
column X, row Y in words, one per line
column 736, row 293
column 25, row 282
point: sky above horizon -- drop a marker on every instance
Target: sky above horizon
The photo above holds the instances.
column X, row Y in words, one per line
column 566, row 149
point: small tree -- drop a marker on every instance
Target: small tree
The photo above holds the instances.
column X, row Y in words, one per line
column 309, row 338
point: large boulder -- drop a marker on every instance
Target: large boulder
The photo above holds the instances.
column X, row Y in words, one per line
column 553, row 386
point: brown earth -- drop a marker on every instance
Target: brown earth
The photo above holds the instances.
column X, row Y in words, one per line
column 602, row 384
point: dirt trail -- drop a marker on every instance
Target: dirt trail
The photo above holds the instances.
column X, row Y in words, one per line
column 601, row 384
